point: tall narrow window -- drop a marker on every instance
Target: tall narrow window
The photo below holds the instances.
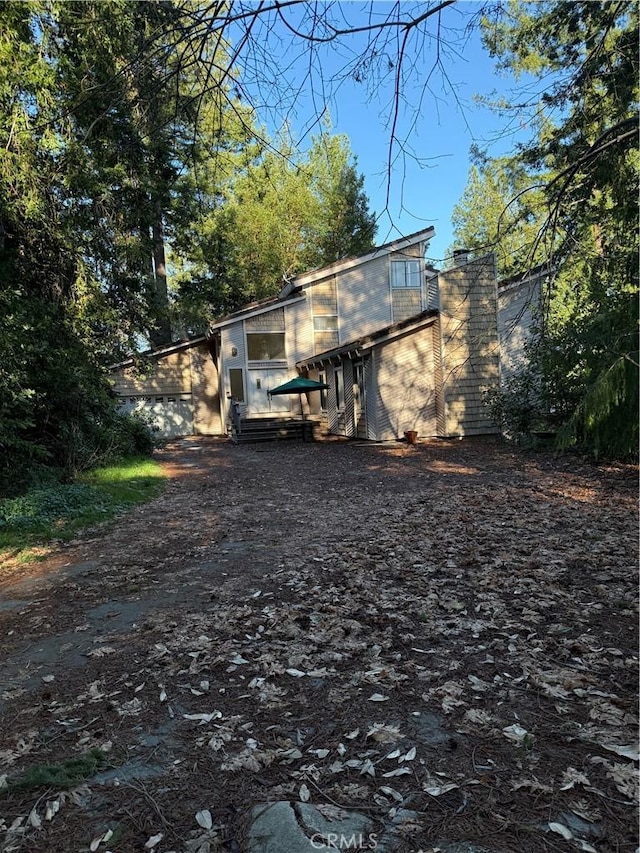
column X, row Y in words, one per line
column 405, row 274
column 236, row 383
column 323, row 391
column 339, row 383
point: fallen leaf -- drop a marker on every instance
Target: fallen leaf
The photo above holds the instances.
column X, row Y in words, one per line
column 561, row 829
column 384, row 734
column 204, row 718
column 625, row 750
column 515, row 733
column 408, row 756
column 204, row 819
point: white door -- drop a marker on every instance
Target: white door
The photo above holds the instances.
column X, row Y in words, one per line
column 263, row 380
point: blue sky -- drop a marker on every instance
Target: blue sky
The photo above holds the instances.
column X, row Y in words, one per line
column 429, row 178
column 437, row 123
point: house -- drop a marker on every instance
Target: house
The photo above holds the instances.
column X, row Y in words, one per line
column 401, row 346
column 520, row 306
column 177, row 390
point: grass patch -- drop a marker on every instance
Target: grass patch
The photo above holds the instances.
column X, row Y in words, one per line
column 58, row 512
column 67, row 774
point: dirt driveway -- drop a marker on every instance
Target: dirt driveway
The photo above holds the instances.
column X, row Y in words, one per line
column 444, row 636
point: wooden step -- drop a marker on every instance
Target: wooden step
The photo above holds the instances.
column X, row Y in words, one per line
column 272, row 429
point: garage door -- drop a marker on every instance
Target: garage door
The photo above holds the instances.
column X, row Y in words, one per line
column 170, row 416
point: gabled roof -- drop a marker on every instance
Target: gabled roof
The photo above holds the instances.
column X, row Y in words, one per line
column 361, row 345
column 159, row 352
column 258, row 307
column 349, row 263
column 292, row 289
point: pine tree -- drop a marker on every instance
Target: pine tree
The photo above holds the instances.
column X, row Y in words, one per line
column 586, row 353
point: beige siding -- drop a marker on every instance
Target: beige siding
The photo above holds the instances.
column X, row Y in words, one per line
column 518, row 307
column 370, row 397
column 168, row 375
column 364, row 299
column 299, row 338
column 407, row 302
column 410, row 252
column 406, row 386
column 324, row 341
column 470, row 352
column 324, row 299
column 206, row 393
column 269, row 321
column 349, row 425
column 232, row 337
column 438, row 378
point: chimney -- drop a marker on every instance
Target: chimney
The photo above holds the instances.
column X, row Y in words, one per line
column 461, row 256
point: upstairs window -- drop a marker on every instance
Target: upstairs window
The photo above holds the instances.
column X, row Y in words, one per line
column 266, row 346
column 405, row 274
column 325, row 323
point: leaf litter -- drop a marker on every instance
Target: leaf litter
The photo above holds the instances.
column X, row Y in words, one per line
column 490, row 590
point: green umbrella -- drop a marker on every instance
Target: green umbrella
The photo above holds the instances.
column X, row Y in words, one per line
column 300, row 385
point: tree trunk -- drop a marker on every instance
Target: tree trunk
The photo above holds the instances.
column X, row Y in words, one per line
column 161, row 334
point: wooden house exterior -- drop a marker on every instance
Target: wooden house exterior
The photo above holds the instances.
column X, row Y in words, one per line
column 520, row 303
column 178, row 390
column 400, row 345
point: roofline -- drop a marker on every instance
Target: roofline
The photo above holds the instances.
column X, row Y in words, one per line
column 158, row 352
column 375, row 338
column 255, row 311
column 349, row 263
column 522, row 277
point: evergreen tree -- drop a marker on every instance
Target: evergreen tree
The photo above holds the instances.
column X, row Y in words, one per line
column 278, row 213
column 502, row 211
column 345, row 226
column 586, row 353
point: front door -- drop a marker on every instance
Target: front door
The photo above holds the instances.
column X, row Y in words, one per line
column 258, row 383
column 359, row 400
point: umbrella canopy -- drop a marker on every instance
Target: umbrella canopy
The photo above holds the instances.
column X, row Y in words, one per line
column 299, row 385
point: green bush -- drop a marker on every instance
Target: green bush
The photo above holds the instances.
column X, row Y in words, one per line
column 518, row 407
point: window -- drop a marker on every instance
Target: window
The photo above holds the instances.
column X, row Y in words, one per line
column 236, row 382
column 266, row 346
column 405, row 274
column 325, row 323
column 339, row 381
column 323, row 391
